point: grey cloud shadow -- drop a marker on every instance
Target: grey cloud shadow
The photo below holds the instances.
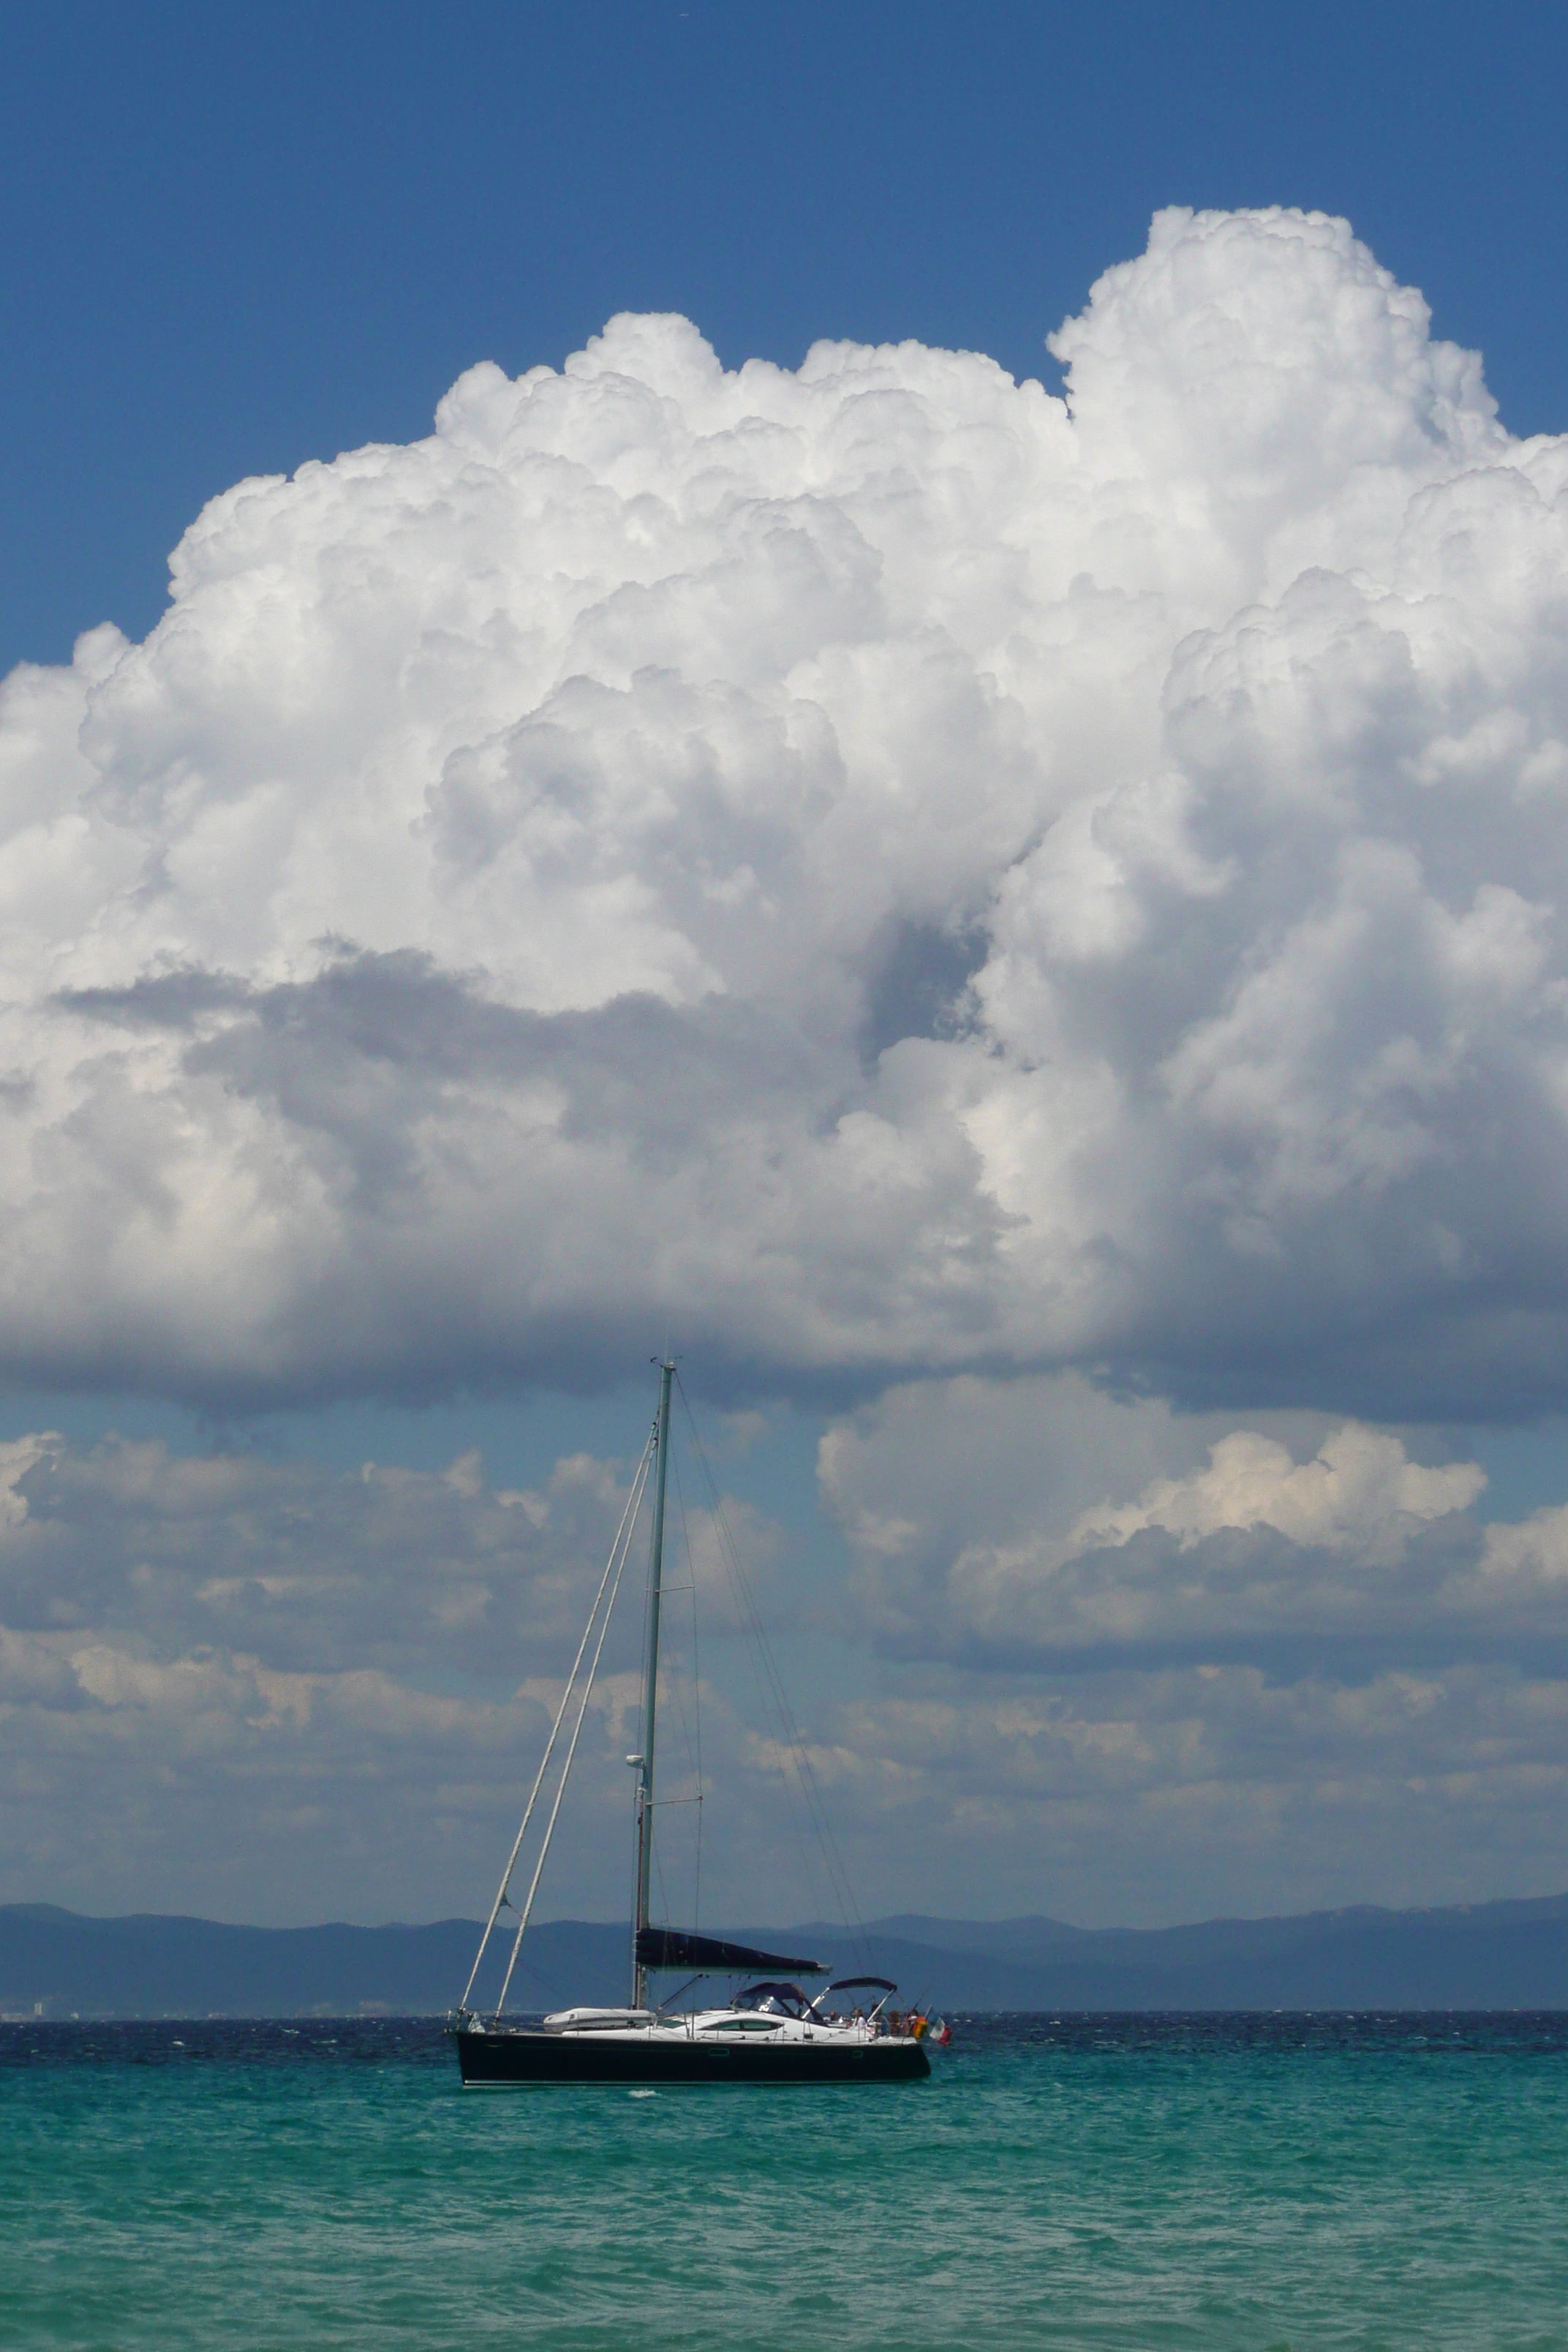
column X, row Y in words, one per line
column 1255, row 1599
column 375, row 1044
column 919, row 986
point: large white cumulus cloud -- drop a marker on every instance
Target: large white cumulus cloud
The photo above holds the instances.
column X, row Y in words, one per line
column 873, row 868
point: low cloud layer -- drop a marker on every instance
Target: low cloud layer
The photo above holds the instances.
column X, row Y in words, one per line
column 1149, row 1797
column 302, row 1567
column 874, row 868
column 1207, row 1667
column 1295, row 1548
column 249, row 1686
column 1172, row 1664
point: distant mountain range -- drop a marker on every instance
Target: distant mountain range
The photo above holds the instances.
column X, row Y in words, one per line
column 59, row 1963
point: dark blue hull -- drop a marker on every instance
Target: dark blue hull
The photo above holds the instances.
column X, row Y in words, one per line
column 493, row 2061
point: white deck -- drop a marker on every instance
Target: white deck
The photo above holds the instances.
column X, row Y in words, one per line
column 714, row 2025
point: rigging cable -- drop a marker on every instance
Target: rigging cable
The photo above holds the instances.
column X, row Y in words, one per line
column 565, row 1772
column 622, row 1534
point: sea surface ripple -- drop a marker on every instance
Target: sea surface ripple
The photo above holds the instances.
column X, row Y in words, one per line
column 1270, row 2184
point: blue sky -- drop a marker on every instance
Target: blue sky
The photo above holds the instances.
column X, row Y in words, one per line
column 242, row 241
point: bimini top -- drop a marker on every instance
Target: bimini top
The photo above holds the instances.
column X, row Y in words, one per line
column 853, row 1984
column 669, row 1947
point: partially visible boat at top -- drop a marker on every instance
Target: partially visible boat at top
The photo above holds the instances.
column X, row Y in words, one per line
column 769, row 2030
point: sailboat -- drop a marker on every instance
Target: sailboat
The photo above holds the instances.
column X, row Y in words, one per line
column 770, row 2029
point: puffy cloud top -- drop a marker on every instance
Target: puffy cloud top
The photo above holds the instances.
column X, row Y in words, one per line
column 1358, row 1490
column 873, row 868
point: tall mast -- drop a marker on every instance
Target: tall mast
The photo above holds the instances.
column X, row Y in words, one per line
column 651, row 1687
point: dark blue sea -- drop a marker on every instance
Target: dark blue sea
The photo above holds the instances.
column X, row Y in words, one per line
column 1219, row 2184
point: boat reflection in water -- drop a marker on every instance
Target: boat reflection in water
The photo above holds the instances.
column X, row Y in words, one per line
column 769, row 2032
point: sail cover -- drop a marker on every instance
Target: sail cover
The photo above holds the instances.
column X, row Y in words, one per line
column 667, row 1947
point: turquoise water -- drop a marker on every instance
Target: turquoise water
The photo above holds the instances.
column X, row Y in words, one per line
column 1268, row 2183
